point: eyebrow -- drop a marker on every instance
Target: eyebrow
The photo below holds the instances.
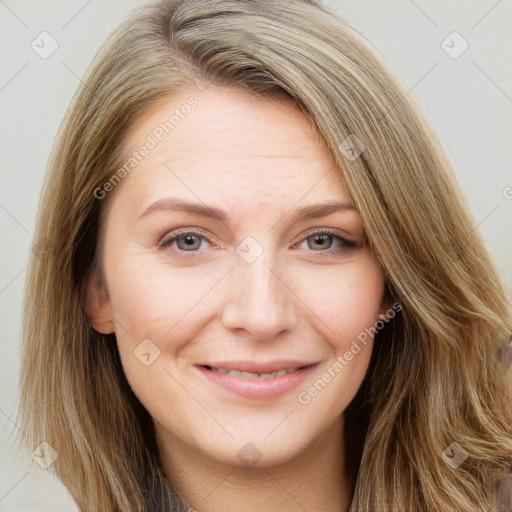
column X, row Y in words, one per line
column 300, row 214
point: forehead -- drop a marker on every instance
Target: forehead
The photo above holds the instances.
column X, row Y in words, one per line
column 230, row 148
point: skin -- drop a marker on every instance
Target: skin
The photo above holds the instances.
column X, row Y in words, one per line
column 303, row 297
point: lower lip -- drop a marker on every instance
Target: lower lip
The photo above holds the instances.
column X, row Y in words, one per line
column 258, row 388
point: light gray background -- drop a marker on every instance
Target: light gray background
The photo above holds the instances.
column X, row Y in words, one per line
column 468, row 100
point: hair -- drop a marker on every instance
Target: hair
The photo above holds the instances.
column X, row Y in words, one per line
column 434, row 377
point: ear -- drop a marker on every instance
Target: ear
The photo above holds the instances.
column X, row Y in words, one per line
column 386, row 304
column 97, row 304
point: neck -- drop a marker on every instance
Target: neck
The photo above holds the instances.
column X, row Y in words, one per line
column 313, row 480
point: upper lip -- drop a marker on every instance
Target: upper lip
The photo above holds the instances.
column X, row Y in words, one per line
column 256, row 367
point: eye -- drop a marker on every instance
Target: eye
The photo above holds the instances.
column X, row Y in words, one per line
column 323, row 240
column 186, row 240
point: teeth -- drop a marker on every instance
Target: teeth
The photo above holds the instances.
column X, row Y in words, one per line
column 249, row 375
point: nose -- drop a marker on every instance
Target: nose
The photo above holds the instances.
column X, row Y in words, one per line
column 259, row 300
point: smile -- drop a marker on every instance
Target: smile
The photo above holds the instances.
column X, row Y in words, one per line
column 251, row 375
column 254, row 384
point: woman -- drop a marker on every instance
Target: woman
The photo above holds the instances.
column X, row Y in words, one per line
column 187, row 343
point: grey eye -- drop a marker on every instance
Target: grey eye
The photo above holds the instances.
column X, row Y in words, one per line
column 188, row 242
column 320, row 241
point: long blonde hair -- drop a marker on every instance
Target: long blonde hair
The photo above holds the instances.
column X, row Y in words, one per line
column 435, row 377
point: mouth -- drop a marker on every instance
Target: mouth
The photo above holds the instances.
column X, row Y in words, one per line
column 255, row 375
column 256, row 381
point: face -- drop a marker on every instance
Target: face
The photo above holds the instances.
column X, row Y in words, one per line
column 220, row 254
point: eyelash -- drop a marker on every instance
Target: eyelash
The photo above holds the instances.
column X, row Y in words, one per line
column 344, row 242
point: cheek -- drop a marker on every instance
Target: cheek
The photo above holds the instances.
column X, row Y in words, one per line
column 152, row 299
column 159, row 303
column 346, row 300
column 346, row 303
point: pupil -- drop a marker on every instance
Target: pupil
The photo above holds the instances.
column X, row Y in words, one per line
column 321, row 238
column 189, row 241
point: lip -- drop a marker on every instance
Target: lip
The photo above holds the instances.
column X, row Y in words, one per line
column 255, row 367
column 257, row 388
